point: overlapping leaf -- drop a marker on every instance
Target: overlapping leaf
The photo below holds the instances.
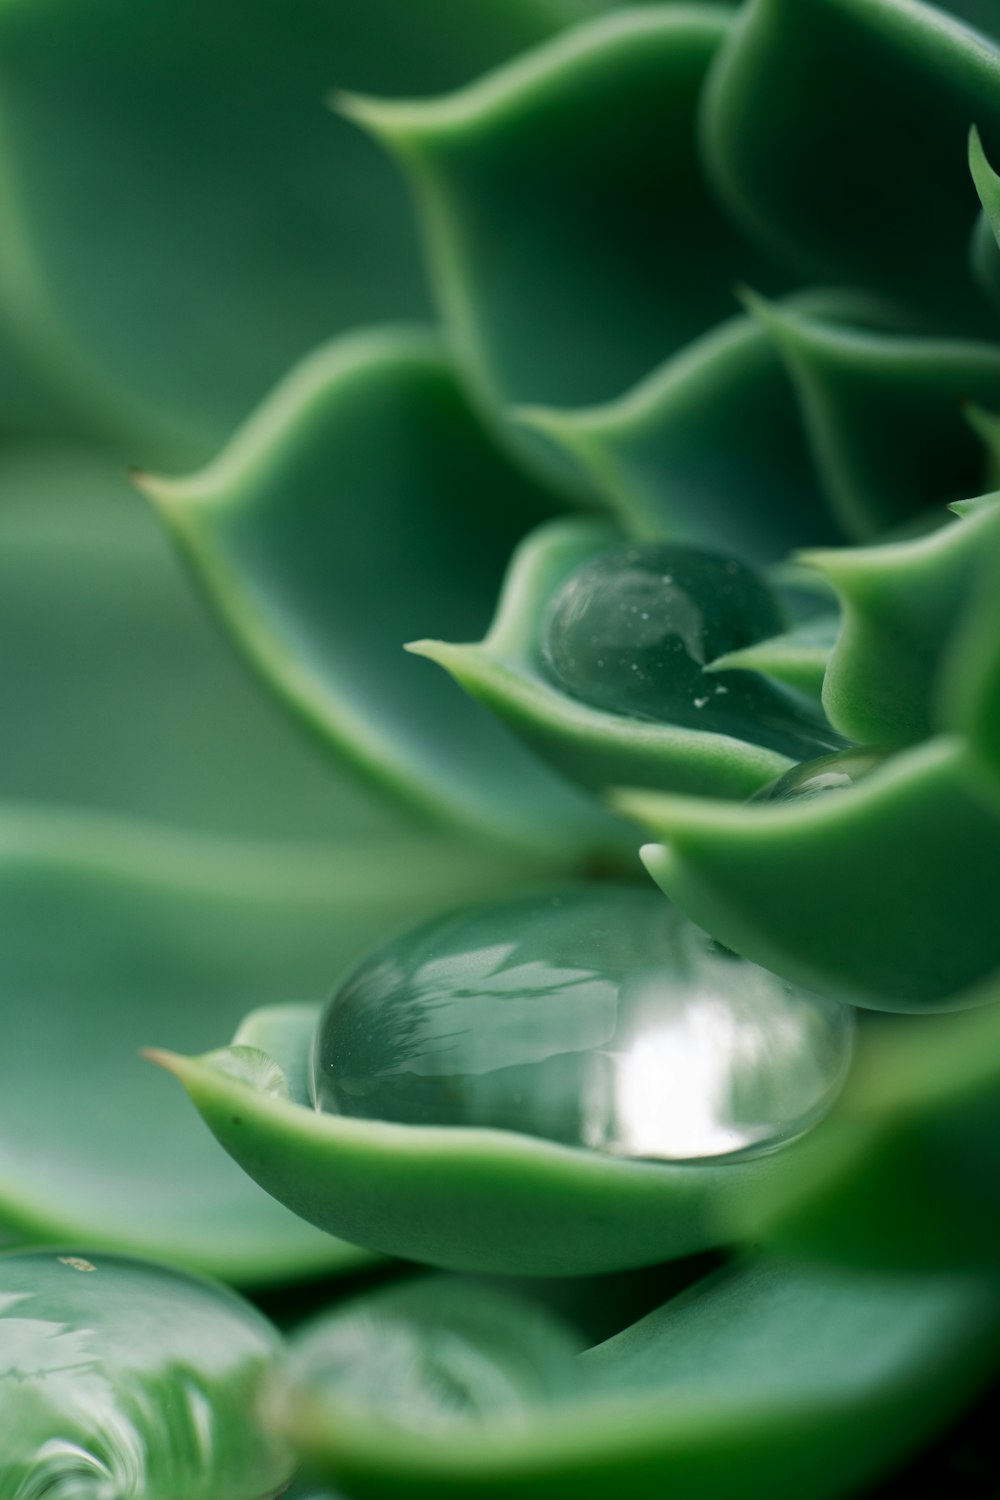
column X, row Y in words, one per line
column 902, row 603
column 362, row 504
column 875, row 194
column 762, row 1376
column 114, row 935
column 184, row 219
column 593, row 746
column 886, row 416
column 880, row 894
column 571, row 237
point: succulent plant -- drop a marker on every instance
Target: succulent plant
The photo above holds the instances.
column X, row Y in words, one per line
column 623, row 951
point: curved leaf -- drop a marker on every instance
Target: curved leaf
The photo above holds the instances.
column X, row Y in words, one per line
column 901, row 605
column 710, row 444
column 593, row 746
column 799, row 658
column 112, row 931
column 586, row 142
column 970, row 673
column 763, row 1378
column 880, row 894
column 126, row 1378
column 886, row 416
column 463, row 1197
column 118, row 691
column 877, row 194
column 183, row 217
column 985, row 247
column 905, row 1175
column 362, row 503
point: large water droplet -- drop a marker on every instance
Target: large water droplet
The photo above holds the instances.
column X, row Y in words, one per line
column 597, row 1017
column 827, row 773
column 634, row 630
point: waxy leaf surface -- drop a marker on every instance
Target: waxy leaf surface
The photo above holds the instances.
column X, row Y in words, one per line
column 880, row 894
column 116, row 936
column 363, row 504
column 765, row 1376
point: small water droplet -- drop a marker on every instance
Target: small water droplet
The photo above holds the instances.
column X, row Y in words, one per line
column 827, row 773
column 632, row 632
column 609, row 1022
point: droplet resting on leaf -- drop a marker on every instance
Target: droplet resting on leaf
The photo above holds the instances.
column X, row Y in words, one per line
column 124, row 1380
column 633, row 632
column 595, row 1017
column 828, row 773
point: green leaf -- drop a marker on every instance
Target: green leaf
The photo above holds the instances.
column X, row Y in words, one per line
column 433, row 1355
column 458, row 1196
column 985, row 249
column 905, row 1175
column 901, row 605
column 885, row 416
column 184, row 219
column 125, row 1378
column 571, row 238
column 877, row 194
column 969, row 678
column 119, row 692
column 593, row 746
column 880, row 894
column 799, row 657
column 709, row 445
column 364, row 503
column 764, row 1378
column 114, row 936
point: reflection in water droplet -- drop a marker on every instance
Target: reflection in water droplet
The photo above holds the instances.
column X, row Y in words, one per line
column 827, row 773
column 437, row 1353
column 634, row 630
column 601, row 1017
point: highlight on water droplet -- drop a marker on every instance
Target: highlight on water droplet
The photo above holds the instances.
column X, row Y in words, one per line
column 634, row 630
column 827, row 773
column 597, row 1017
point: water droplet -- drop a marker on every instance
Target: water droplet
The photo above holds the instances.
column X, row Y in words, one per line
column 609, row 1021
column 633, row 631
column 437, row 1353
column 828, row 773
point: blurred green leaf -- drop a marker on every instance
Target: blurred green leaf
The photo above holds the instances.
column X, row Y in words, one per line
column 881, row 894
column 116, row 936
column 362, row 504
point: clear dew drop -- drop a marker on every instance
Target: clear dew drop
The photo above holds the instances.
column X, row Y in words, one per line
column 827, row 773
column 633, row 632
column 599, row 1017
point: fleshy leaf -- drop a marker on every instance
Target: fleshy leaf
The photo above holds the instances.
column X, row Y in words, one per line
column 124, row 1378
column 886, row 415
column 970, row 673
column 877, row 194
column 460, row 1196
column 187, row 178
column 709, row 445
column 113, row 934
column 435, row 1354
column 362, row 503
column 906, row 1174
column 572, row 239
column 593, row 746
column 799, row 658
column 881, row 894
column 901, row 605
column 119, row 693
column 985, row 249
column 765, row 1377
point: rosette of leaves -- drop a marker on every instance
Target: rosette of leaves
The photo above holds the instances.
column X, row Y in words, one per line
column 553, row 287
